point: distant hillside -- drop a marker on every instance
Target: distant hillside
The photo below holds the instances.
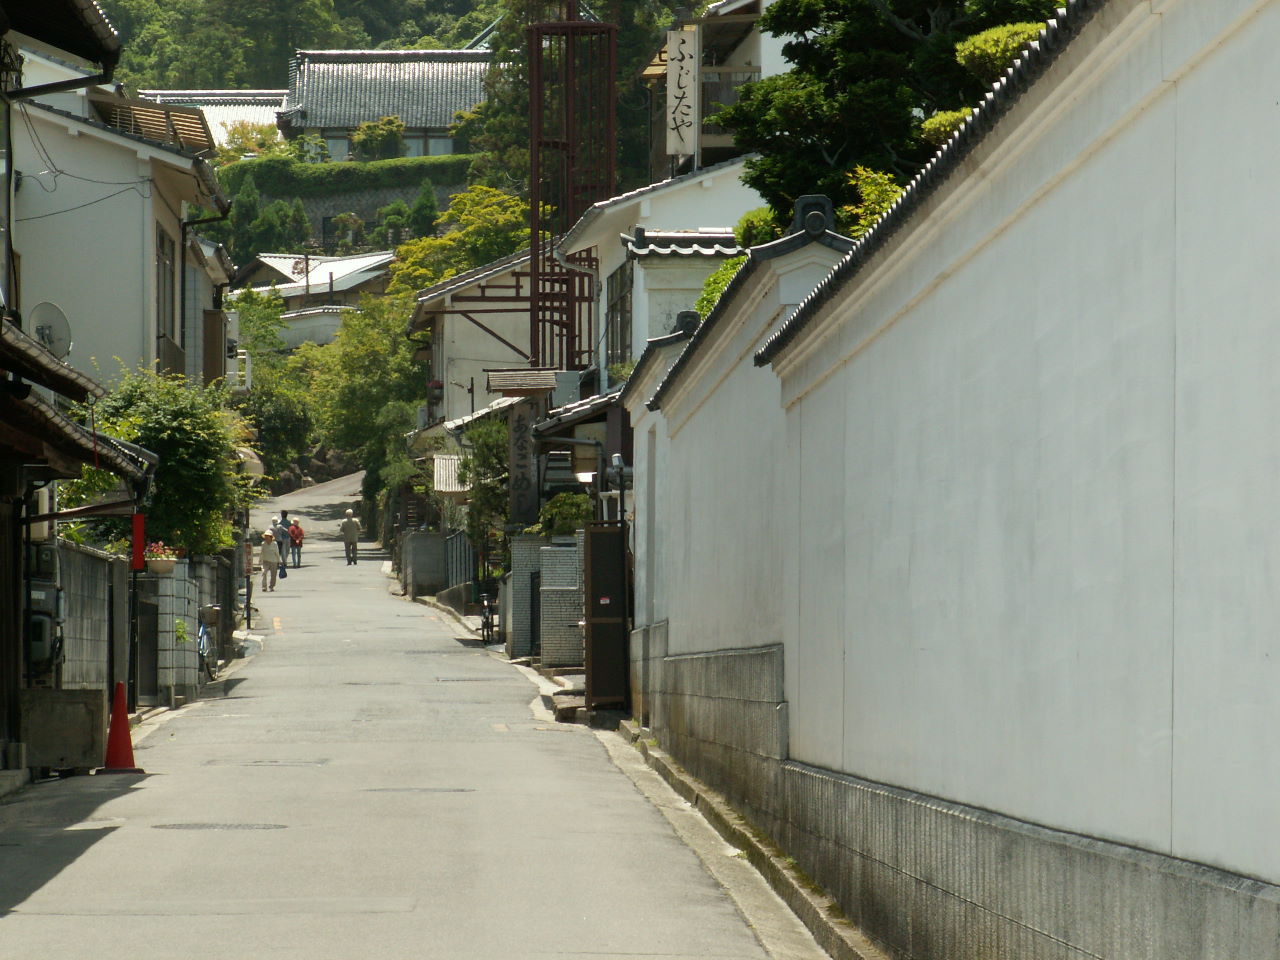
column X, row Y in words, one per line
column 215, row 44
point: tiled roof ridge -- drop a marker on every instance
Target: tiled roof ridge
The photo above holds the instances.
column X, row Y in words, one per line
column 1035, row 59
column 360, row 56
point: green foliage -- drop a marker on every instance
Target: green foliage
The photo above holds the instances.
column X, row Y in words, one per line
column 484, row 225
column 364, row 387
column 219, row 44
column 563, row 514
column 277, row 406
column 425, row 212
column 876, row 192
column 937, row 130
column 863, row 72
column 381, row 139
column 715, row 285
column 484, row 468
column 253, row 229
column 197, row 486
column 393, row 225
column 756, row 227
column 280, row 176
column 987, row 55
column 621, row 371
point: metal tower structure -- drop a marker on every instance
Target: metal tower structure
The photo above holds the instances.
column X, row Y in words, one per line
column 573, row 140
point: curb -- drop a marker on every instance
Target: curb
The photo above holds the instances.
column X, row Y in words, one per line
column 817, row 911
column 448, row 611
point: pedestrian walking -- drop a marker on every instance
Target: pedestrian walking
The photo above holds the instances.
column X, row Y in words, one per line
column 295, row 541
column 351, row 536
column 280, row 533
column 269, row 557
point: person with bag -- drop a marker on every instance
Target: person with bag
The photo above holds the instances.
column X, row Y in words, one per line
column 269, row 557
column 280, row 533
column 295, row 541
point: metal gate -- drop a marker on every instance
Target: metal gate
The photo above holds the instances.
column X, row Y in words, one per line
column 607, row 605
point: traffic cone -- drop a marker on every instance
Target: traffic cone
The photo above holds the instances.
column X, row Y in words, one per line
column 119, row 743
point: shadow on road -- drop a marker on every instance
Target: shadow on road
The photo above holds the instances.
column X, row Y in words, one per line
column 48, row 826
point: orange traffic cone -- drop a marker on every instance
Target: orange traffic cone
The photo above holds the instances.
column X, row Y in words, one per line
column 119, row 743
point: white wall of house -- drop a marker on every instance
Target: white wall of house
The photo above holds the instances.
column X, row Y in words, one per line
column 463, row 352
column 1034, row 453
column 729, row 506
column 664, row 286
column 85, row 233
column 709, row 199
column 96, row 260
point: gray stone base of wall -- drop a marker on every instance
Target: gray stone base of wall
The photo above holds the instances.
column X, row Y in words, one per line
column 934, row 880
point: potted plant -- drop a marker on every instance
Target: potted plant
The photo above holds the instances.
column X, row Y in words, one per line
column 160, row 559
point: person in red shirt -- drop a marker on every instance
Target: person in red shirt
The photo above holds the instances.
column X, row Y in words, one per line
column 295, row 541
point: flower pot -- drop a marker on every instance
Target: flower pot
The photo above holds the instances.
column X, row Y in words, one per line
column 161, row 565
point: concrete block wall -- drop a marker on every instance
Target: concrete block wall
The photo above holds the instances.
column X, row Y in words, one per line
column 177, row 598
column 934, row 880
column 422, row 564
column 561, row 606
column 526, row 559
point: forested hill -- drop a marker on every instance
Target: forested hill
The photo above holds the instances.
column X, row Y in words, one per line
column 213, row 44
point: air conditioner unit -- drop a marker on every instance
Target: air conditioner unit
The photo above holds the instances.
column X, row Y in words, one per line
column 42, row 503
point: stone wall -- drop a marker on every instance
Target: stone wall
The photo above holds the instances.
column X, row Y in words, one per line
column 422, row 566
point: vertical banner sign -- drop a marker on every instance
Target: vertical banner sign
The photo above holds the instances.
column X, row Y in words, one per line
column 522, row 485
column 137, row 562
column 683, row 87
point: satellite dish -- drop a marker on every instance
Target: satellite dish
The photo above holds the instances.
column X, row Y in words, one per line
column 50, row 327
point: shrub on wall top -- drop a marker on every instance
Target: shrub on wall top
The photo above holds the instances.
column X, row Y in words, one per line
column 283, row 177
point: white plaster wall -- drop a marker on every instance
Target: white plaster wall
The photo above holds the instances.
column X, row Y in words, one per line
column 1036, row 461
column 469, row 352
column 726, row 513
column 670, row 284
column 95, row 262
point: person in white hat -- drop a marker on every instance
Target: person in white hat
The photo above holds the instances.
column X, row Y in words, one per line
column 269, row 557
column 351, row 536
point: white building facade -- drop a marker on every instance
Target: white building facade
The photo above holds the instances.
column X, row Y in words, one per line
column 1004, row 683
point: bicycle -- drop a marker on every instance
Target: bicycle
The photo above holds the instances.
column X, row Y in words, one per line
column 208, row 652
column 488, row 615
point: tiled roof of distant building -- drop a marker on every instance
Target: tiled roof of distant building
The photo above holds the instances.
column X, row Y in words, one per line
column 345, row 88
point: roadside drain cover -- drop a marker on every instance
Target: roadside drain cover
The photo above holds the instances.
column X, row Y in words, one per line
column 219, row 826
column 420, row 790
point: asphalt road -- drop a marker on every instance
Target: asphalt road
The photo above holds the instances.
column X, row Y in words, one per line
column 370, row 786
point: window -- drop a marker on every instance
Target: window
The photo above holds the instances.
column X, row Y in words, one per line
column 439, row 146
column 413, row 145
column 618, row 316
column 166, row 257
column 337, row 145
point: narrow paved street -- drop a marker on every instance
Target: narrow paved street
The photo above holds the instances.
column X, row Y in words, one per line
column 366, row 786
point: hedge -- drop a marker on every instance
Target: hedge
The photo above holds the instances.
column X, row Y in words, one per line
column 282, row 177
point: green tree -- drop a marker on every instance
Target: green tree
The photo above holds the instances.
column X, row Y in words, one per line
column 197, row 486
column 381, row 139
column 484, row 469
column 425, row 212
column 864, row 72
column 987, row 55
column 484, row 224
column 356, row 379
column 246, row 208
column 876, row 191
column 393, row 225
